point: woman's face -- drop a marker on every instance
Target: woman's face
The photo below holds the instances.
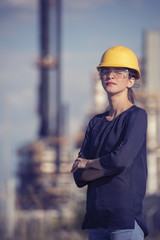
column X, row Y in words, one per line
column 115, row 80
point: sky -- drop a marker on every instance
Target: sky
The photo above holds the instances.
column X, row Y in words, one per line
column 89, row 27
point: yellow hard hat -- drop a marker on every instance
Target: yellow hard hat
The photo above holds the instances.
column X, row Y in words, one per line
column 120, row 56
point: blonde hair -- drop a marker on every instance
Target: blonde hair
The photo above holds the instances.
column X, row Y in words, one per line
column 131, row 96
column 132, row 74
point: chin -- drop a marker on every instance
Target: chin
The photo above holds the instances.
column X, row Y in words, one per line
column 108, row 90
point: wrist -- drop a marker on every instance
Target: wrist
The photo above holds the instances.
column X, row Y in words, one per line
column 89, row 164
column 93, row 163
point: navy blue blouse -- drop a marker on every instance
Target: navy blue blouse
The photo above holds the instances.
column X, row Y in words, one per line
column 115, row 200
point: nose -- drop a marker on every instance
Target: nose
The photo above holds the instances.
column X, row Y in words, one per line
column 110, row 75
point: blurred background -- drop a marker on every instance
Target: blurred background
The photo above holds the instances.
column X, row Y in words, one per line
column 49, row 89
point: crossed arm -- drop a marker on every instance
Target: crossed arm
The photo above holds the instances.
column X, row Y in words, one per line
column 92, row 168
column 121, row 157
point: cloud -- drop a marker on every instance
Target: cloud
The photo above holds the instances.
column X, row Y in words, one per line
column 156, row 22
column 137, row 3
column 23, row 99
column 83, row 4
column 87, row 4
column 29, row 4
column 18, row 80
column 4, row 127
column 20, row 118
column 17, row 69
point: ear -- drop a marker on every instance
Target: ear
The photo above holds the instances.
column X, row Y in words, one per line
column 131, row 82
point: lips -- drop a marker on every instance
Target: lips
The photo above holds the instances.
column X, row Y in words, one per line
column 110, row 83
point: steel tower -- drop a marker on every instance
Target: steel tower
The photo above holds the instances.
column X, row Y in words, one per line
column 49, row 63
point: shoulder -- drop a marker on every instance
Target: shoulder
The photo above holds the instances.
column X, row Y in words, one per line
column 138, row 116
column 137, row 111
column 96, row 119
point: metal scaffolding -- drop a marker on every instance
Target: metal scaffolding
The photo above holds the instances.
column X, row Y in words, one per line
column 49, row 63
column 43, row 164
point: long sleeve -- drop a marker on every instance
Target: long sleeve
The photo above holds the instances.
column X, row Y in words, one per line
column 134, row 138
column 83, row 154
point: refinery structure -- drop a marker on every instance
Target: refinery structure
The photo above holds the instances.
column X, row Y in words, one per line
column 43, row 168
column 149, row 98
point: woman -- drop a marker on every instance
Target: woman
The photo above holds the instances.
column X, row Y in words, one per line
column 112, row 159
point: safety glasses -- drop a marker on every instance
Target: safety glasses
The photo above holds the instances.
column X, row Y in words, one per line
column 117, row 73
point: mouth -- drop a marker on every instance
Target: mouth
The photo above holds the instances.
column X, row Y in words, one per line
column 110, row 83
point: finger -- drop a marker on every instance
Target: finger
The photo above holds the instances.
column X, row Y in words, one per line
column 75, row 162
column 75, row 166
column 74, row 169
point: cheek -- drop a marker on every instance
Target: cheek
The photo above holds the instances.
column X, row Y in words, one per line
column 103, row 82
column 103, row 85
column 123, row 83
column 103, row 78
column 127, row 82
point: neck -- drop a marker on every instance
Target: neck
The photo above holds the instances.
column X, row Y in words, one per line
column 118, row 105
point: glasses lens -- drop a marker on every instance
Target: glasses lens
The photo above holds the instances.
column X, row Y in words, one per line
column 116, row 72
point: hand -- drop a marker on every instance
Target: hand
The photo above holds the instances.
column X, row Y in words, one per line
column 80, row 163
